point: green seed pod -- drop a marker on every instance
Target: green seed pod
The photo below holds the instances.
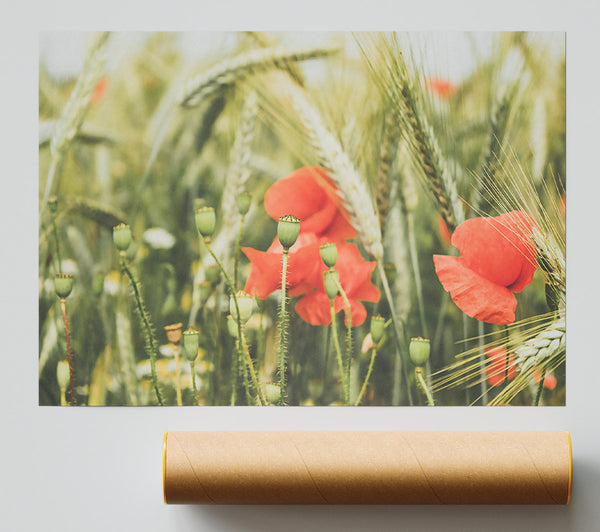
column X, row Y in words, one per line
column 232, row 327
column 418, row 350
column 245, row 304
column 329, row 254
column 288, row 230
column 330, row 279
column 377, row 328
column 63, row 284
column 63, row 375
column 243, row 202
column 212, row 274
column 206, row 220
column 272, row 392
column 191, row 343
column 53, row 204
column 122, row 236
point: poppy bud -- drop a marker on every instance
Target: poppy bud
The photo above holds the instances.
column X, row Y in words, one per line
column 330, row 280
column 191, row 343
column 288, row 230
column 329, row 254
column 53, row 204
column 232, row 328
column 173, row 333
column 212, row 274
column 243, row 202
column 377, row 328
column 418, row 350
column 272, row 392
column 245, row 304
column 62, row 374
column 122, row 236
column 206, row 220
column 63, row 284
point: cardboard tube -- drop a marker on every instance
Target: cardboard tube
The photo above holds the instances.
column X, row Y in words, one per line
column 367, row 467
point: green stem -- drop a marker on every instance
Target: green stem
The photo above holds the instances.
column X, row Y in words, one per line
column 235, row 373
column 63, row 307
column 365, row 384
column 250, row 364
column 282, row 326
column 178, row 377
column 152, row 348
column 414, row 258
column 56, row 244
column 540, row 389
column 193, row 372
column 236, row 260
column 244, row 370
column 237, row 313
column 338, row 351
column 423, row 386
column 482, row 362
column 348, row 339
column 398, row 334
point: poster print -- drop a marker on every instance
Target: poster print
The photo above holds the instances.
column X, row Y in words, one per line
column 301, row 219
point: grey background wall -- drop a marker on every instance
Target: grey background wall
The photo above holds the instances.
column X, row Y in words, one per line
column 100, row 469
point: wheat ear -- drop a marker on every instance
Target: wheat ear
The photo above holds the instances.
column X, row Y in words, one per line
column 74, row 111
column 352, row 188
column 227, row 72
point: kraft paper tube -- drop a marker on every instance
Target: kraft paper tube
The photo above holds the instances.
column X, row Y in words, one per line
column 367, row 467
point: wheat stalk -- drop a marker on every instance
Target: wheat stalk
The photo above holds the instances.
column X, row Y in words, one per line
column 351, row 187
column 227, row 72
column 74, row 111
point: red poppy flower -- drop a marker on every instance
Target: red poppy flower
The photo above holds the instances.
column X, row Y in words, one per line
column 310, row 195
column 442, row 87
column 549, row 379
column 266, row 266
column 305, row 278
column 496, row 369
column 497, row 259
column 99, row 90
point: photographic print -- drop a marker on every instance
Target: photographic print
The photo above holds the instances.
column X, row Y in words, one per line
column 302, row 219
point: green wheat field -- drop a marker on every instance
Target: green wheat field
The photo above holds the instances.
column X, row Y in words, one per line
column 346, row 220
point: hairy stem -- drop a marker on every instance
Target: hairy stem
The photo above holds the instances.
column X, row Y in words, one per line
column 338, row 352
column 423, row 386
column 250, row 364
column 348, row 339
column 366, row 382
column 63, row 308
column 282, row 326
column 152, row 348
column 193, row 372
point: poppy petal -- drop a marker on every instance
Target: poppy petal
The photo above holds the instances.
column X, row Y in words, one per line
column 300, row 194
column 265, row 272
column 314, row 309
column 475, row 296
column 498, row 249
column 357, row 310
